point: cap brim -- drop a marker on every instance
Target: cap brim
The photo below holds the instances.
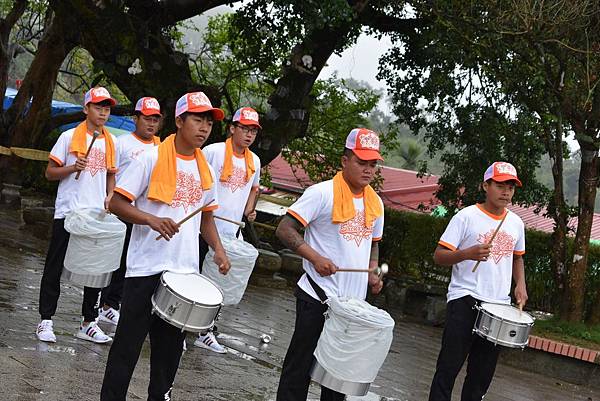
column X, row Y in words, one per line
column 218, row 114
column 367, row 154
column 150, row 113
column 112, row 101
column 504, row 178
column 248, row 122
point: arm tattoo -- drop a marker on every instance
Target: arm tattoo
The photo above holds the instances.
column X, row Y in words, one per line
column 288, row 233
column 374, row 251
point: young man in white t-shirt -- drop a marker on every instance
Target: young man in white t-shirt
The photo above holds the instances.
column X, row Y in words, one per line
column 96, row 180
column 465, row 242
column 343, row 222
column 238, row 172
column 129, row 147
column 161, row 187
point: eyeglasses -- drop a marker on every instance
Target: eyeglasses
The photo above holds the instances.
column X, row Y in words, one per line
column 247, row 130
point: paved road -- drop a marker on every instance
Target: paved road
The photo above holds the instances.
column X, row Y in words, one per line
column 73, row 369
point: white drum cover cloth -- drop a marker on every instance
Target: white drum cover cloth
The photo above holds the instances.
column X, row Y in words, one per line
column 95, row 242
column 242, row 257
column 355, row 340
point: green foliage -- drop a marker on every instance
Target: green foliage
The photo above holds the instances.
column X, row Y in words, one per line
column 578, row 334
column 410, row 239
column 337, row 109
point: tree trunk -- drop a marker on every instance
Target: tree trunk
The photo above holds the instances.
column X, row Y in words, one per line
column 31, row 108
column 557, row 209
column 6, row 54
column 588, row 181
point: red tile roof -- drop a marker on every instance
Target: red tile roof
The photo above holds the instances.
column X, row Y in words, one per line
column 403, row 190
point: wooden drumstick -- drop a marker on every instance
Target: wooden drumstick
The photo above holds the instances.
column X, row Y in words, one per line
column 189, row 216
column 492, row 239
column 237, row 223
column 95, row 135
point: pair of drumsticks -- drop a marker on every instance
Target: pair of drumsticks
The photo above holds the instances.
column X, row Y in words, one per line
column 241, row 224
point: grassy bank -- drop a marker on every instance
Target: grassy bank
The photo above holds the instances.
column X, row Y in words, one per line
column 571, row 333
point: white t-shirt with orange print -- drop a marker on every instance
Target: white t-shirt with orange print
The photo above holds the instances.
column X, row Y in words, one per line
column 491, row 281
column 347, row 245
column 89, row 191
column 147, row 256
column 234, row 192
column 130, row 147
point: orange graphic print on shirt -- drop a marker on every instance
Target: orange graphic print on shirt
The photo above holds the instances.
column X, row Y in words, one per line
column 236, row 180
column 96, row 161
column 136, row 153
column 503, row 244
column 188, row 191
column 355, row 230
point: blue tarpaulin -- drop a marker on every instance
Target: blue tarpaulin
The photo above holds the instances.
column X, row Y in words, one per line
column 116, row 124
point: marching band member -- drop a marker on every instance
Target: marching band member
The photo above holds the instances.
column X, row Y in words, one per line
column 147, row 122
column 167, row 183
column 343, row 222
column 465, row 241
column 238, row 169
column 96, row 180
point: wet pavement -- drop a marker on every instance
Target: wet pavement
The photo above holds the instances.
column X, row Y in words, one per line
column 72, row 369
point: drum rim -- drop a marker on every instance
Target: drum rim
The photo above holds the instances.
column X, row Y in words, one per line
column 486, row 311
column 164, row 283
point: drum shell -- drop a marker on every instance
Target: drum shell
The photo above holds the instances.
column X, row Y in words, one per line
column 320, row 375
column 86, row 279
column 500, row 330
column 182, row 312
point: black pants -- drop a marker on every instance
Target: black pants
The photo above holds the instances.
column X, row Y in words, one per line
column 136, row 321
column 50, row 285
column 203, row 248
column 458, row 342
column 295, row 374
column 113, row 294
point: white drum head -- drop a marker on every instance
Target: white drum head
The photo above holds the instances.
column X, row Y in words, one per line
column 507, row 312
column 194, row 287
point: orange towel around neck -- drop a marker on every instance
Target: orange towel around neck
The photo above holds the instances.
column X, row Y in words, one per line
column 228, row 163
column 163, row 181
column 343, row 202
column 79, row 145
column 156, row 140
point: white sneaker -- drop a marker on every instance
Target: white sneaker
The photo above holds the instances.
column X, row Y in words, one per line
column 45, row 331
column 209, row 341
column 109, row 315
column 93, row 333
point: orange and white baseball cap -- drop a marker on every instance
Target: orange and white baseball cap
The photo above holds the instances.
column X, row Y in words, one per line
column 197, row 102
column 500, row 172
column 148, row 106
column 364, row 143
column 246, row 116
column 97, row 95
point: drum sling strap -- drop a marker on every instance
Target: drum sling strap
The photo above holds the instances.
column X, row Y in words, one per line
column 317, row 289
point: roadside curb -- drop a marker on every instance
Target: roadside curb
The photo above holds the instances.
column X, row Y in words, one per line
column 571, row 351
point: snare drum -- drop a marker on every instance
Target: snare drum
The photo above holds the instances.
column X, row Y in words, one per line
column 190, row 301
column 503, row 324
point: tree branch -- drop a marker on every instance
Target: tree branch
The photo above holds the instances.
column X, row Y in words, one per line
column 390, row 24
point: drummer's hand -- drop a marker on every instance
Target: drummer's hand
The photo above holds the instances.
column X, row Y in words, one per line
column 222, row 261
column 324, row 266
column 80, row 164
column 521, row 294
column 251, row 216
column 107, row 201
column 375, row 282
column 164, row 226
column 478, row 252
